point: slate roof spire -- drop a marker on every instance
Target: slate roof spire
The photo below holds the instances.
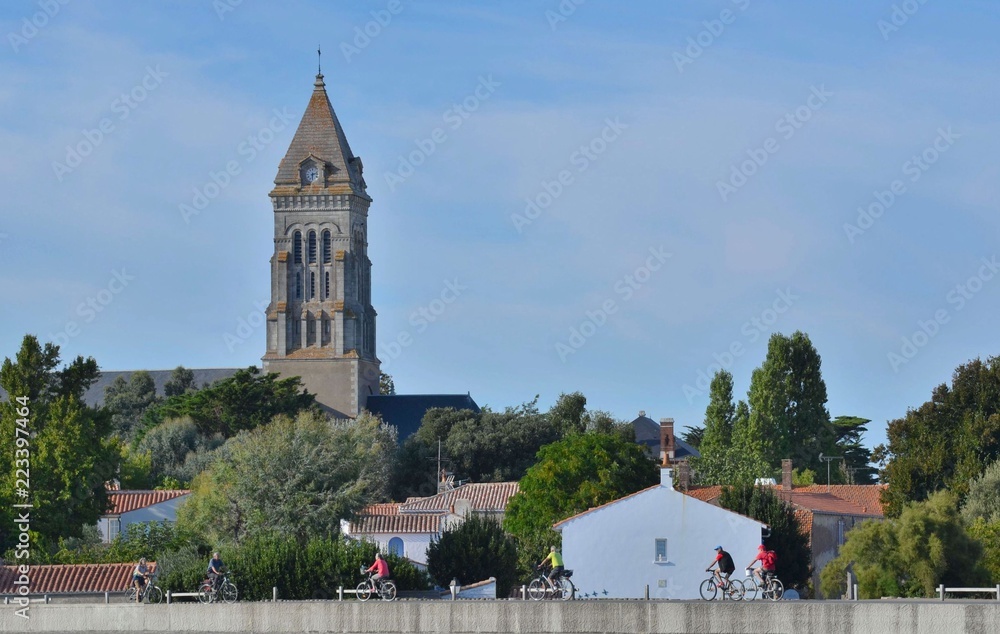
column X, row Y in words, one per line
column 320, row 138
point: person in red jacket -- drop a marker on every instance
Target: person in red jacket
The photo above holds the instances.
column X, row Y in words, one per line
column 381, row 568
column 767, row 559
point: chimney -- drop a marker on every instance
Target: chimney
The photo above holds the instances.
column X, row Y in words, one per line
column 786, row 474
column 642, row 413
column 666, row 441
column 684, row 474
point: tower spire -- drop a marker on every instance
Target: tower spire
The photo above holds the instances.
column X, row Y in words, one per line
column 319, row 60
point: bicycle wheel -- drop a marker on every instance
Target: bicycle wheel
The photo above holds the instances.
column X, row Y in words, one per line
column 388, row 591
column 536, row 589
column 776, row 590
column 751, row 589
column 735, row 590
column 708, row 589
column 130, row 595
column 566, row 589
column 364, row 591
column 205, row 594
column 228, row 592
column 154, row 594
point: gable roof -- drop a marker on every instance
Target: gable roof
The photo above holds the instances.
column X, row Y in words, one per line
column 867, row 496
column 647, row 432
column 705, row 493
column 72, row 578
column 482, row 497
column 824, row 502
column 406, row 411
column 397, row 523
column 127, row 501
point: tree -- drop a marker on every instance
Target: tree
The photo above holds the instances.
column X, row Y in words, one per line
column 181, row 381
column 475, row 550
column 177, row 450
column 856, row 467
column 983, row 500
column 788, row 415
column 717, row 450
column 786, row 537
column 745, row 461
column 386, row 386
column 568, row 414
column 569, row 477
column 910, row 556
column 947, row 441
column 693, row 436
column 128, row 400
column 297, row 477
column 988, row 535
column 70, row 451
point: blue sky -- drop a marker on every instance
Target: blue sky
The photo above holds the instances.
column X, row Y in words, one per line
column 696, row 169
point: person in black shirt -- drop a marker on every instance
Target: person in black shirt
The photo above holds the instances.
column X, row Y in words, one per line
column 726, row 566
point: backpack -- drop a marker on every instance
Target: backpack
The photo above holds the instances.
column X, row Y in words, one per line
column 769, row 560
column 726, row 563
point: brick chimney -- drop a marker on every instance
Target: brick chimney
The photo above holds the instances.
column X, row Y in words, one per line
column 786, row 474
column 667, row 441
column 684, row 474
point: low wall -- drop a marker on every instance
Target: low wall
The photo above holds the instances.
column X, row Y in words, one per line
column 500, row 617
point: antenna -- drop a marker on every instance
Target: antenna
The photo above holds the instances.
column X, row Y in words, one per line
column 828, row 460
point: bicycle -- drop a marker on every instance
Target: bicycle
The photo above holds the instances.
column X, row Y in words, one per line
column 151, row 593
column 562, row 588
column 223, row 587
column 772, row 588
column 733, row 589
column 384, row 588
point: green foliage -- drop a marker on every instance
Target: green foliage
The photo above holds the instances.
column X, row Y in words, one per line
column 135, row 471
column 718, row 453
column 475, row 550
column 141, row 539
column 909, row 556
column 178, row 451
column 244, row 401
column 693, row 436
column 988, row 535
column 786, row 536
column 856, row 467
column 947, row 441
column 297, row 477
column 180, row 382
column 571, row 476
column 803, row 477
column 127, row 401
column 983, row 500
column 386, row 386
column 71, row 454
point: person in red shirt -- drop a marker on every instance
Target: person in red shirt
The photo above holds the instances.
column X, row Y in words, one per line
column 767, row 559
column 381, row 568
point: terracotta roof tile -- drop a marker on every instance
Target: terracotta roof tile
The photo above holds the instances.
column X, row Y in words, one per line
column 482, row 496
column 805, row 518
column 127, row 501
column 411, row 523
column 390, row 508
column 822, row 502
column 71, row 578
column 867, row 496
column 705, row 494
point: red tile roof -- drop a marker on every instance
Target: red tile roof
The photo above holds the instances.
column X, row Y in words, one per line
column 705, row 494
column 128, row 501
column 411, row 523
column 805, row 518
column 390, row 508
column 74, row 578
column 867, row 496
column 482, row 496
column 822, row 503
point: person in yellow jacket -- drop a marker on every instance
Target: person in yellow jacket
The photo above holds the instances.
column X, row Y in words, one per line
column 555, row 560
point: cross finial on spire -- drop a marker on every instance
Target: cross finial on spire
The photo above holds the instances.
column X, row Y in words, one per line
column 319, row 60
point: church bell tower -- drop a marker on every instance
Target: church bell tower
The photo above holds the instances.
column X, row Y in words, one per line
column 320, row 322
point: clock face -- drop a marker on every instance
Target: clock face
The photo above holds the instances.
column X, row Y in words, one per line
column 312, row 174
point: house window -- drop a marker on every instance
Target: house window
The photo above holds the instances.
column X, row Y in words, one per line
column 114, row 527
column 661, row 550
column 840, row 532
column 396, row 547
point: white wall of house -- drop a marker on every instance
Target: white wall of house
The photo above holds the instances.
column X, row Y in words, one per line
column 415, row 545
column 110, row 525
column 612, row 550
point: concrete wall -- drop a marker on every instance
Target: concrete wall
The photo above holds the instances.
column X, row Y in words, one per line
column 489, row 617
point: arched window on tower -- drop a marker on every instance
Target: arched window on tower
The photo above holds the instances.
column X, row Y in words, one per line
column 327, row 247
column 298, row 286
column 326, row 286
column 312, row 285
column 312, row 247
column 297, row 246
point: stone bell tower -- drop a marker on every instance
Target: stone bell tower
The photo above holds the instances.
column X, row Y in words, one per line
column 320, row 322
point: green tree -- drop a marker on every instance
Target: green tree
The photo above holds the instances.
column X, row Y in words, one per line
column 745, row 462
column 475, row 550
column 947, row 441
column 786, row 537
column 386, row 386
column 177, row 450
column 983, row 500
column 788, row 415
column 717, row 449
column 181, row 381
column 909, row 556
column 71, row 453
column 988, row 535
column 298, row 477
column 128, row 400
column 568, row 414
column 856, row 467
column 569, row 477
column 693, row 436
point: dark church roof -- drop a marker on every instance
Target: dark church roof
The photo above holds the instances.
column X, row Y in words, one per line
column 405, row 411
column 647, row 432
column 95, row 395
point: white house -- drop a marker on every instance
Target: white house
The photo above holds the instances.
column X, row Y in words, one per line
column 129, row 507
column 657, row 537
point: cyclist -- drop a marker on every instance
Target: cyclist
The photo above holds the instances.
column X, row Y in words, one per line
column 140, row 577
column 555, row 560
column 215, row 566
column 726, row 566
column 767, row 559
column 381, row 568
